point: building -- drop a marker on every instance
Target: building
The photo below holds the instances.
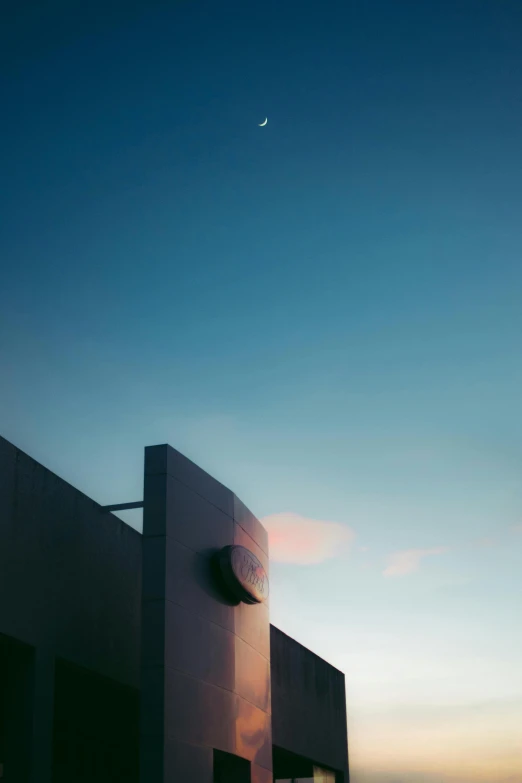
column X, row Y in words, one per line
column 150, row 657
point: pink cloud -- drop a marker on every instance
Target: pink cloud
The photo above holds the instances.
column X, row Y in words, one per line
column 408, row 560
column 516, row 528
column 296, row 539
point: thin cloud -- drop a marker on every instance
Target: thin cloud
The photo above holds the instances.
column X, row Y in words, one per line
column 303, row 541
column 408, row 560
column 516, row 528
column 484, row 543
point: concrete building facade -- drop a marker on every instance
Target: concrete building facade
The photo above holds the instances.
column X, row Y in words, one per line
column 150, row 657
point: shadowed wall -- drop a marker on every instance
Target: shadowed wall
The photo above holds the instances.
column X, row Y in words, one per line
column 70, row 588
column 70, row 575
column 309, row 704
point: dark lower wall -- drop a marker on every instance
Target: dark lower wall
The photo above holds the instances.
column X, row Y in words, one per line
column 70, row 575
column 308, row 704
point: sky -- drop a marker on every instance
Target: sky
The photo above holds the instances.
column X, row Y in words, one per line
column 324, row 313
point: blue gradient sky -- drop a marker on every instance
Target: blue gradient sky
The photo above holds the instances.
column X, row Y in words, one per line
column 324, row 313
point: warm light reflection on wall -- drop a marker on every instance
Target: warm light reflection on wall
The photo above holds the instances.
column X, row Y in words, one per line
column 323, row 775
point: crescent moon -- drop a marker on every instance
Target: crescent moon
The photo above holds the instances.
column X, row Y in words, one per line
column 262, row 124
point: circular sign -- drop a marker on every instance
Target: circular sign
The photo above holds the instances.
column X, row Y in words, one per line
column 243, row 574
